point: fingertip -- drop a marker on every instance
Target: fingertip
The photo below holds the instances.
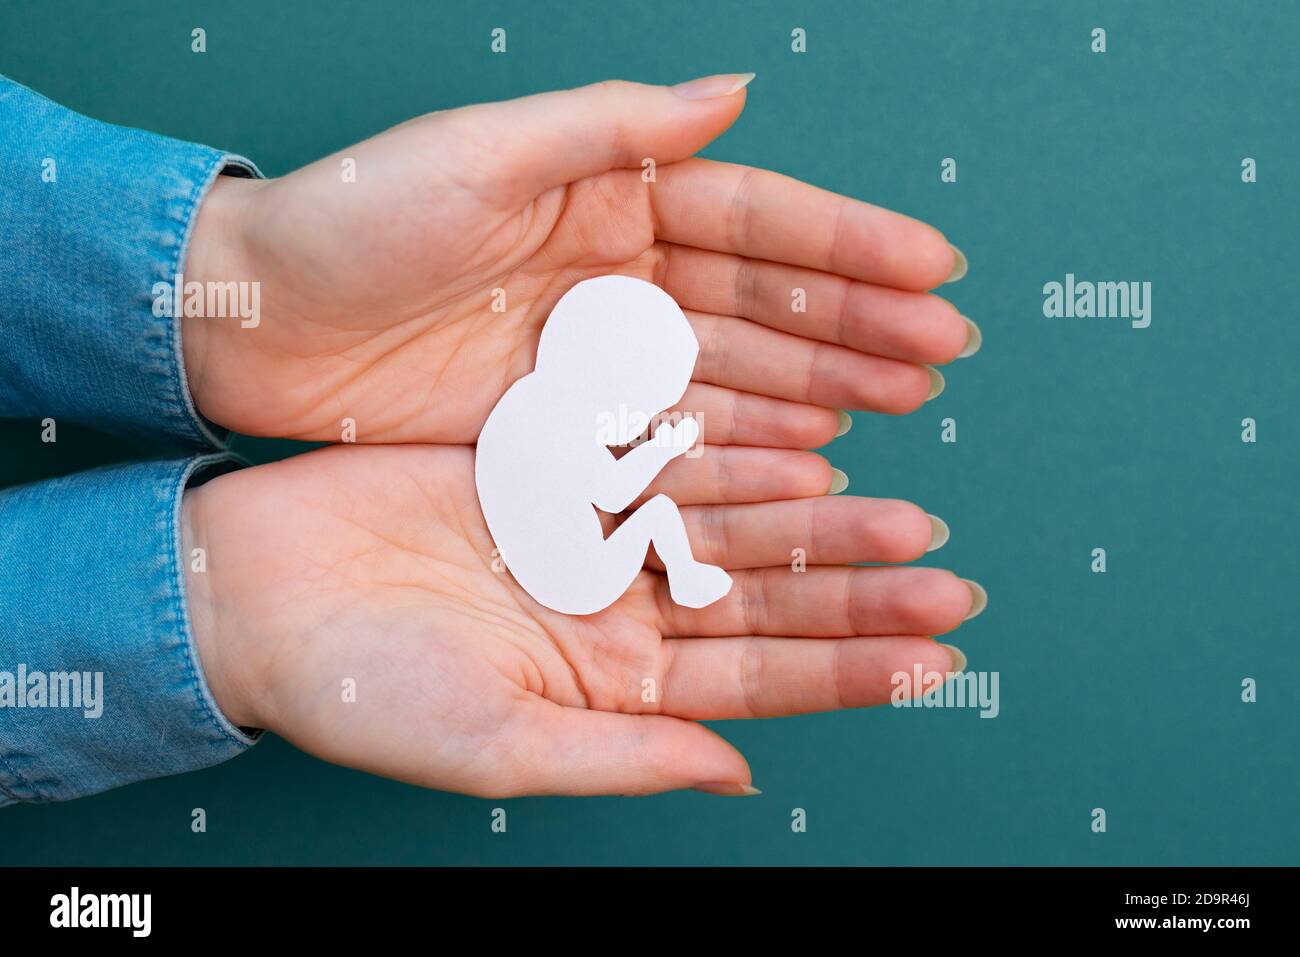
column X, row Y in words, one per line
column 869, row 667
column 816, row 476
column 920, row 384
column 896, row 387
column 957, row 658
column 944, row 334
column 902, row 531
column 959, row 265
column 939, row 533
column 950, row 601
column 715, row 101
column 717, row 760
column 923, row 257
column 717, row 86
column 974, row 339
column 937, row 383
column 816, row 426
column 791, row 473
column 727, row 788
column 845, row 423
column 979, row 598
column 936, row 658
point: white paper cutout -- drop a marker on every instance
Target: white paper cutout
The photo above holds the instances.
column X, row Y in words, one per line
column 614, row 352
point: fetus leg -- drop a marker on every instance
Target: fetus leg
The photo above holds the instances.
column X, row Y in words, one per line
column 657, row 522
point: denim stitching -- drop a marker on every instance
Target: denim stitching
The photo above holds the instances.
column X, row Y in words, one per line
column 211, row 170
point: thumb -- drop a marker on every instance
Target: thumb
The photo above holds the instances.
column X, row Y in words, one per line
column 572, row 134
column 561, row 750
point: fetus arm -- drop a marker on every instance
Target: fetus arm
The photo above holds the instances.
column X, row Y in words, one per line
column 622, row 480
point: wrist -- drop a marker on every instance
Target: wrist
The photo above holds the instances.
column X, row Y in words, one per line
column 217, row 254
column 218, row 661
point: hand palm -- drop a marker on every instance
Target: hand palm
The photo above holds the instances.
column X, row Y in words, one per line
column 371, row 569
column 406, row 280
column 410, row 299
column 400, row 593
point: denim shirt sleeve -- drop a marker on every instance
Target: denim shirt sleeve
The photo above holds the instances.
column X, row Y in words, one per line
column 92, row 217
column 100, row 681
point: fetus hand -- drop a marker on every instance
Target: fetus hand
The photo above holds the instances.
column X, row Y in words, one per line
column 678, row 437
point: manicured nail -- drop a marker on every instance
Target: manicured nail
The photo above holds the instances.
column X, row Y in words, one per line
column 958, row 659
column 710, row 87
column 938, row 533
column 728, row 789
column 979, row 598
column 958, row 264
column 936, row 382
column 973, row 340
column 839, row 482
column 846, row 423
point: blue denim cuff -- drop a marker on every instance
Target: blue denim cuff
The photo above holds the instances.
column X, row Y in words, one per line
column 94, row 216
column 100, row 681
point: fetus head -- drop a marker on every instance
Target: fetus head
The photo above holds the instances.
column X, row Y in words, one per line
column 620, row 348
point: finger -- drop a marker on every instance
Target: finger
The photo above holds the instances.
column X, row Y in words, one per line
column 827, row 603
column 832, row 530
column 557, row 750
column 764, row 215
column 739, row 354
column 736, row 473
column 729, row 417
column 569, row 135
column 752, row 677
column 898, row 324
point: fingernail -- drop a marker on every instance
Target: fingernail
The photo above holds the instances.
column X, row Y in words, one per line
column 979, row 598
column 846, row 423
column 938, row 533
column 710, row 87
column 728, row 789
column 973, row 340
column 839, row 482
column 958, row 264
column 936, row 382
column 958, row 664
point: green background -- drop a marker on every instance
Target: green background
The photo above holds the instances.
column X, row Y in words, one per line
column 1119, row 690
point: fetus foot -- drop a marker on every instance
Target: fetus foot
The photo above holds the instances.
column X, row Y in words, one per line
column 697, row 584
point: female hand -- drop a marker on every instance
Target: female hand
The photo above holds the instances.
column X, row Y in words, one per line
column 370, row 569
column 378, row 295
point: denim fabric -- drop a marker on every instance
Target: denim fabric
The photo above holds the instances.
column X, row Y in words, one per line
column 94, row 582
column 79, row 256
column 91, row 579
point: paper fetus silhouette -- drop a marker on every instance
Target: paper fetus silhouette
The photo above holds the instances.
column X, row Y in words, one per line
column 614, row 352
